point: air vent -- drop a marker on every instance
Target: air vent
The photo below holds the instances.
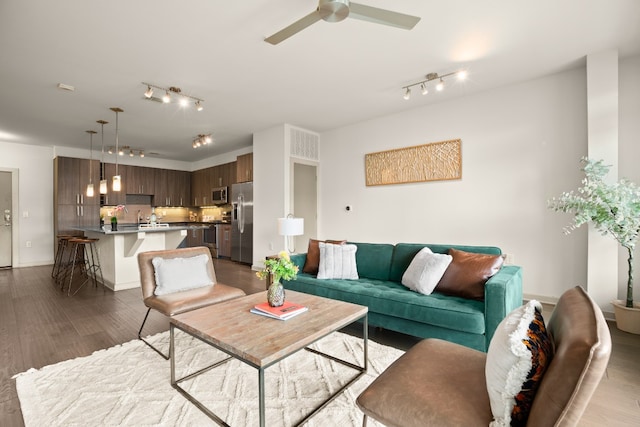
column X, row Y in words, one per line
column 304, row 145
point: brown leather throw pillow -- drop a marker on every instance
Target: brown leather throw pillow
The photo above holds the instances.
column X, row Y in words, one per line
column 312, row 262
column 468, row 272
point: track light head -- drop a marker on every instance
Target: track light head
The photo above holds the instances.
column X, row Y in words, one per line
column 183, row 102
column 199, row 106
column 423, row 89
column 142, row 154
column 149, row 92
column 407, row 94
column 166, row 98
column 440, row 85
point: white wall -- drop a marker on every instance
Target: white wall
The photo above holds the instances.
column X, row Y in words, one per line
column 270, row 185
column 34, row 166
column 629, row 152
column 521, row 146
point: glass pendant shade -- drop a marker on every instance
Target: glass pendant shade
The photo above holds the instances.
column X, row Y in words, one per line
column 103, row 186
column 116, row 183
column 90, row 190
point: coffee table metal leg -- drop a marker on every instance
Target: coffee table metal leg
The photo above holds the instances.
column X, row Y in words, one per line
column 261, row 396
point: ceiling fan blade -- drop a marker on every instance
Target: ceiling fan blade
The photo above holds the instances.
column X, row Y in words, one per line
column 294, row 28
column 382, row 16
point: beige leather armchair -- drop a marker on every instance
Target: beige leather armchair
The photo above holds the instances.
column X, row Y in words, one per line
column 183, row 301
column 437, row 383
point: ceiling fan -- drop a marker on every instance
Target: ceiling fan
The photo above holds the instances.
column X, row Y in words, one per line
column 337, row 10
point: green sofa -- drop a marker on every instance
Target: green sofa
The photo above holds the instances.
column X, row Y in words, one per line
column 393, row 306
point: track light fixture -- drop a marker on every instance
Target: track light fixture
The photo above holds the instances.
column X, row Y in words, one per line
column 126, row 149
column 461, row 74
column 170, row 93
column 201, row 140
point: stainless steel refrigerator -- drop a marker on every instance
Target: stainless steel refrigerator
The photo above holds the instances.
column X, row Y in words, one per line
column 242, row 222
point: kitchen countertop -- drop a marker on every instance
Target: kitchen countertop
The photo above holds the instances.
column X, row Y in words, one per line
column 133, row 228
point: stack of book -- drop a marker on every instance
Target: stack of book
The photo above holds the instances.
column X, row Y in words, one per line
column 284, row 312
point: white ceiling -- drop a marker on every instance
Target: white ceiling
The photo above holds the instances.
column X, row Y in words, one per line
column 327, row 76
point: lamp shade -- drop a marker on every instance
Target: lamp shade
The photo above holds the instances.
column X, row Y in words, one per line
column 291, row 226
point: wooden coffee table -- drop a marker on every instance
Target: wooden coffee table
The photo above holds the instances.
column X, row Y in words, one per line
column 260, row 341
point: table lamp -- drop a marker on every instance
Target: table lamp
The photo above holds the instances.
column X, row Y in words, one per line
column 288, row 227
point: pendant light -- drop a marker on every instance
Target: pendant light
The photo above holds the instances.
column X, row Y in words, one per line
column 103, row 179
column 90, row 185
column 117, row 184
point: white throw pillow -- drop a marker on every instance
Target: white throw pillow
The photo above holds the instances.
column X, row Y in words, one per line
column 518, row 355
column 337, row 261
column 180, row 274
column 425, row 271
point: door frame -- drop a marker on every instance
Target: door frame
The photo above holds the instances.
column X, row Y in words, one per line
column 15, row 226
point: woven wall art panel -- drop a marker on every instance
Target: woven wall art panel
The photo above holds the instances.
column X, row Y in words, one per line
column 436, row 161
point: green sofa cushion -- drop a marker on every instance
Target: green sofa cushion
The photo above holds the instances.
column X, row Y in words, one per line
column 394, row 300
column 404, row 252
column 373, row 260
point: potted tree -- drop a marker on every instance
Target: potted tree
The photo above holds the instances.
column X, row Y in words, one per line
column 614, row 210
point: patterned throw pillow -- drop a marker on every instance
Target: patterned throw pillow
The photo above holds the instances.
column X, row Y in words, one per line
column 519, row 353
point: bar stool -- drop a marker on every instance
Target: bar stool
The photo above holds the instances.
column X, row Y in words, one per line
column 59, row 252
column 63, row 258
column 87, row 260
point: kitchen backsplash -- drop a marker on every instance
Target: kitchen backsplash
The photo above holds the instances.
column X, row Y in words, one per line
column 130, row 214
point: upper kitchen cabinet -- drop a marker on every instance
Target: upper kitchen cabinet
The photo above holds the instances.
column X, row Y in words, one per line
column 72, row 207
column 244, row 171
column 172, row 188
column 201, row 187
column 140, row 180
column 224, row 175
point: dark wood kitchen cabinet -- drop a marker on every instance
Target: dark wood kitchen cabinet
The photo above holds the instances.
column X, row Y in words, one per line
column 140, row 180
column 172, row 188
column 244, row 168
column 195, row 237
column 72, row 207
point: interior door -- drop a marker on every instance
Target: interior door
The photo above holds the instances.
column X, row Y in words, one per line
column 5, row 220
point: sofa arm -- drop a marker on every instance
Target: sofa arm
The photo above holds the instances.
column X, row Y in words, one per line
column 299, row 260
column 502, row 295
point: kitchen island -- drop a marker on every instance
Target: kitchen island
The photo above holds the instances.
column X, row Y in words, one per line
column 118, row 250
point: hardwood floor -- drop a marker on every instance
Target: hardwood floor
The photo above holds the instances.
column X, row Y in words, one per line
column 40, row 326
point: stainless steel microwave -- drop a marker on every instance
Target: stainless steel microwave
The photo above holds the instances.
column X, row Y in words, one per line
column 219, row 195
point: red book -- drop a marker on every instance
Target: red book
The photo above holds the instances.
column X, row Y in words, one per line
column 284, row 312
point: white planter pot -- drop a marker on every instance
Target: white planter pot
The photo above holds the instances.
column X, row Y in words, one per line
column 627, row 319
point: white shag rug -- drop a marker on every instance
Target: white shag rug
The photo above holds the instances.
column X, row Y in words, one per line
column 129, row 385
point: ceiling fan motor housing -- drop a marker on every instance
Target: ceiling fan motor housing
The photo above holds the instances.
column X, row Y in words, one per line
column 333, row 10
